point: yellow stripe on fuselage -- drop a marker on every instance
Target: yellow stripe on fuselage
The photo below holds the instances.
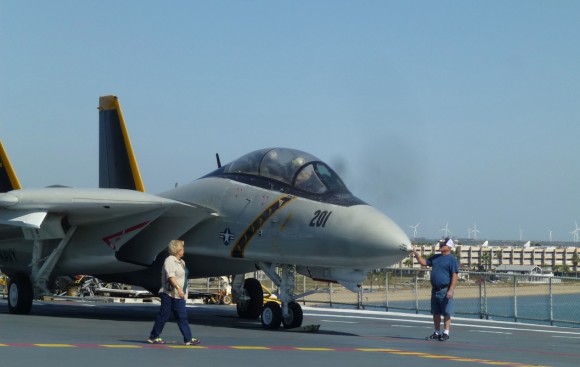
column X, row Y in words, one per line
column 242, row 243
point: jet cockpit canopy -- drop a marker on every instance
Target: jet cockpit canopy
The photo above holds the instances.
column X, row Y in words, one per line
column 290, row 166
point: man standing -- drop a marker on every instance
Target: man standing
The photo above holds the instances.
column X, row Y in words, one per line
column 443, row 280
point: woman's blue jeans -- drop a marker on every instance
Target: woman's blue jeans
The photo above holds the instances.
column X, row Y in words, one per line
column 171, row 305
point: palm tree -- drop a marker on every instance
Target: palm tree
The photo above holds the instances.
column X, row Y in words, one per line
column 485, row 260
column 561, row 270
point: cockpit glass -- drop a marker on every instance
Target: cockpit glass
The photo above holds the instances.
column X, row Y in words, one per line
column 329, row 178
column 249, row 163
column 280, row 164
column 292, row 167
column 308, row 180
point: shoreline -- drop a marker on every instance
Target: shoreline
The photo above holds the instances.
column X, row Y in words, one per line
column 461, row 292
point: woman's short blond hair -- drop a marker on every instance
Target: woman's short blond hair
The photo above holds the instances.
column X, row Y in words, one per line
column 175, row 246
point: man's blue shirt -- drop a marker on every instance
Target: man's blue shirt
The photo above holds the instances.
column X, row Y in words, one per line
column 443, row 268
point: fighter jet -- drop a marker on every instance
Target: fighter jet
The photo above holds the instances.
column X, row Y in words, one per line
column 279, row 210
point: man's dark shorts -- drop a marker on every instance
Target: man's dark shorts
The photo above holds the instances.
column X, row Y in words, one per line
column 440, row 305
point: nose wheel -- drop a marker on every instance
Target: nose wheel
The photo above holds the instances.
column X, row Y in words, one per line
column 272, row 316
column 294, row 317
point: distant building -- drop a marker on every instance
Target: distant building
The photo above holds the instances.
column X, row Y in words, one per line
column 503, row 257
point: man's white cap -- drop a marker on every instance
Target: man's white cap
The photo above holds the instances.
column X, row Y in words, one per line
column 448, row 243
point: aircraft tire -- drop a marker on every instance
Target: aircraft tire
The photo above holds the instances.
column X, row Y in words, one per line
column 19, row 294
column 271, row 316
column 252, row 308
column 295, row 316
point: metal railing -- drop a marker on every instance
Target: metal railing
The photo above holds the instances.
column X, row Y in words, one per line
column 508, row 297
column 487, row 295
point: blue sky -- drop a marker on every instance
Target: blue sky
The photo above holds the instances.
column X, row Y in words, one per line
column 436, row 112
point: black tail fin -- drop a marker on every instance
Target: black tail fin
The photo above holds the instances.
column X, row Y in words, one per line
column 117, row 163
column 8, row 179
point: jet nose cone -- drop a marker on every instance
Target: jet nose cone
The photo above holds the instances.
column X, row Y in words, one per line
column 383, row 241
column 392, row 235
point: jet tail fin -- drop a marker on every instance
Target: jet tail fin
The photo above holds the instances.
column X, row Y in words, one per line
column 117, row 163
column 8, row 179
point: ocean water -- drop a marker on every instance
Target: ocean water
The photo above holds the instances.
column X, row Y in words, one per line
column 561, row 310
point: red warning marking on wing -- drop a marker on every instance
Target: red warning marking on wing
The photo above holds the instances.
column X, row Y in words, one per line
column 113, row 239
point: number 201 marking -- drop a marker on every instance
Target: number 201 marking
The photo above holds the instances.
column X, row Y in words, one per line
column 320, row 218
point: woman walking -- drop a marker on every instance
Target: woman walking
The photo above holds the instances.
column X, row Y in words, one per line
column 173, row 295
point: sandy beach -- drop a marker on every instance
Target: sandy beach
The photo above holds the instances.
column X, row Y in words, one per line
column 407, row 293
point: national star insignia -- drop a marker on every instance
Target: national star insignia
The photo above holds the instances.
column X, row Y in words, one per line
column 227, row 236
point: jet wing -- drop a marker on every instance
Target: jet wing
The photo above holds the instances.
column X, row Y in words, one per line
column 22, row 218
column 80, row 206
column 114, row 217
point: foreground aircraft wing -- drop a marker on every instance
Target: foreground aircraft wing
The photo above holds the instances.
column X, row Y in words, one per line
column 109, row 217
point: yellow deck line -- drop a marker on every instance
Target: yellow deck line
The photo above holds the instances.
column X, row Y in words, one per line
column 55, row 345
column 305, row 349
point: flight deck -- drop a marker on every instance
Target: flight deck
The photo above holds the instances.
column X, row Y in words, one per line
column 76, row 333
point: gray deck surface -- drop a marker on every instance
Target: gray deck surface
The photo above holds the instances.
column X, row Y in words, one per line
column 86, row 334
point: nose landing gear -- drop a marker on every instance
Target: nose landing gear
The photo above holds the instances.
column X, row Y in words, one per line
column 252, row 301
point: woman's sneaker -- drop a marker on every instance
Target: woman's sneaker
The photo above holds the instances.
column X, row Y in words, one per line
column 156, row 341
column 444, row 337
column 193, row 341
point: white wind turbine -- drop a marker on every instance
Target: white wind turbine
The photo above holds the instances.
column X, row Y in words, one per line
column 446, row 230
column 575, row 232
column 415, row 229
column 475, row 231
column 550, row 235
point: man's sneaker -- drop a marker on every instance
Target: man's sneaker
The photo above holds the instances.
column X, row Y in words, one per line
column 444, row 337
column 156, row 341
column 433, row 336
column 193, row 341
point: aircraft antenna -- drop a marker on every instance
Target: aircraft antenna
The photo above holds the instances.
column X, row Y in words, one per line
column 219, row 163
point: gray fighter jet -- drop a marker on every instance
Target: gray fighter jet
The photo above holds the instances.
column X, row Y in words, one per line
column 279, row 210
